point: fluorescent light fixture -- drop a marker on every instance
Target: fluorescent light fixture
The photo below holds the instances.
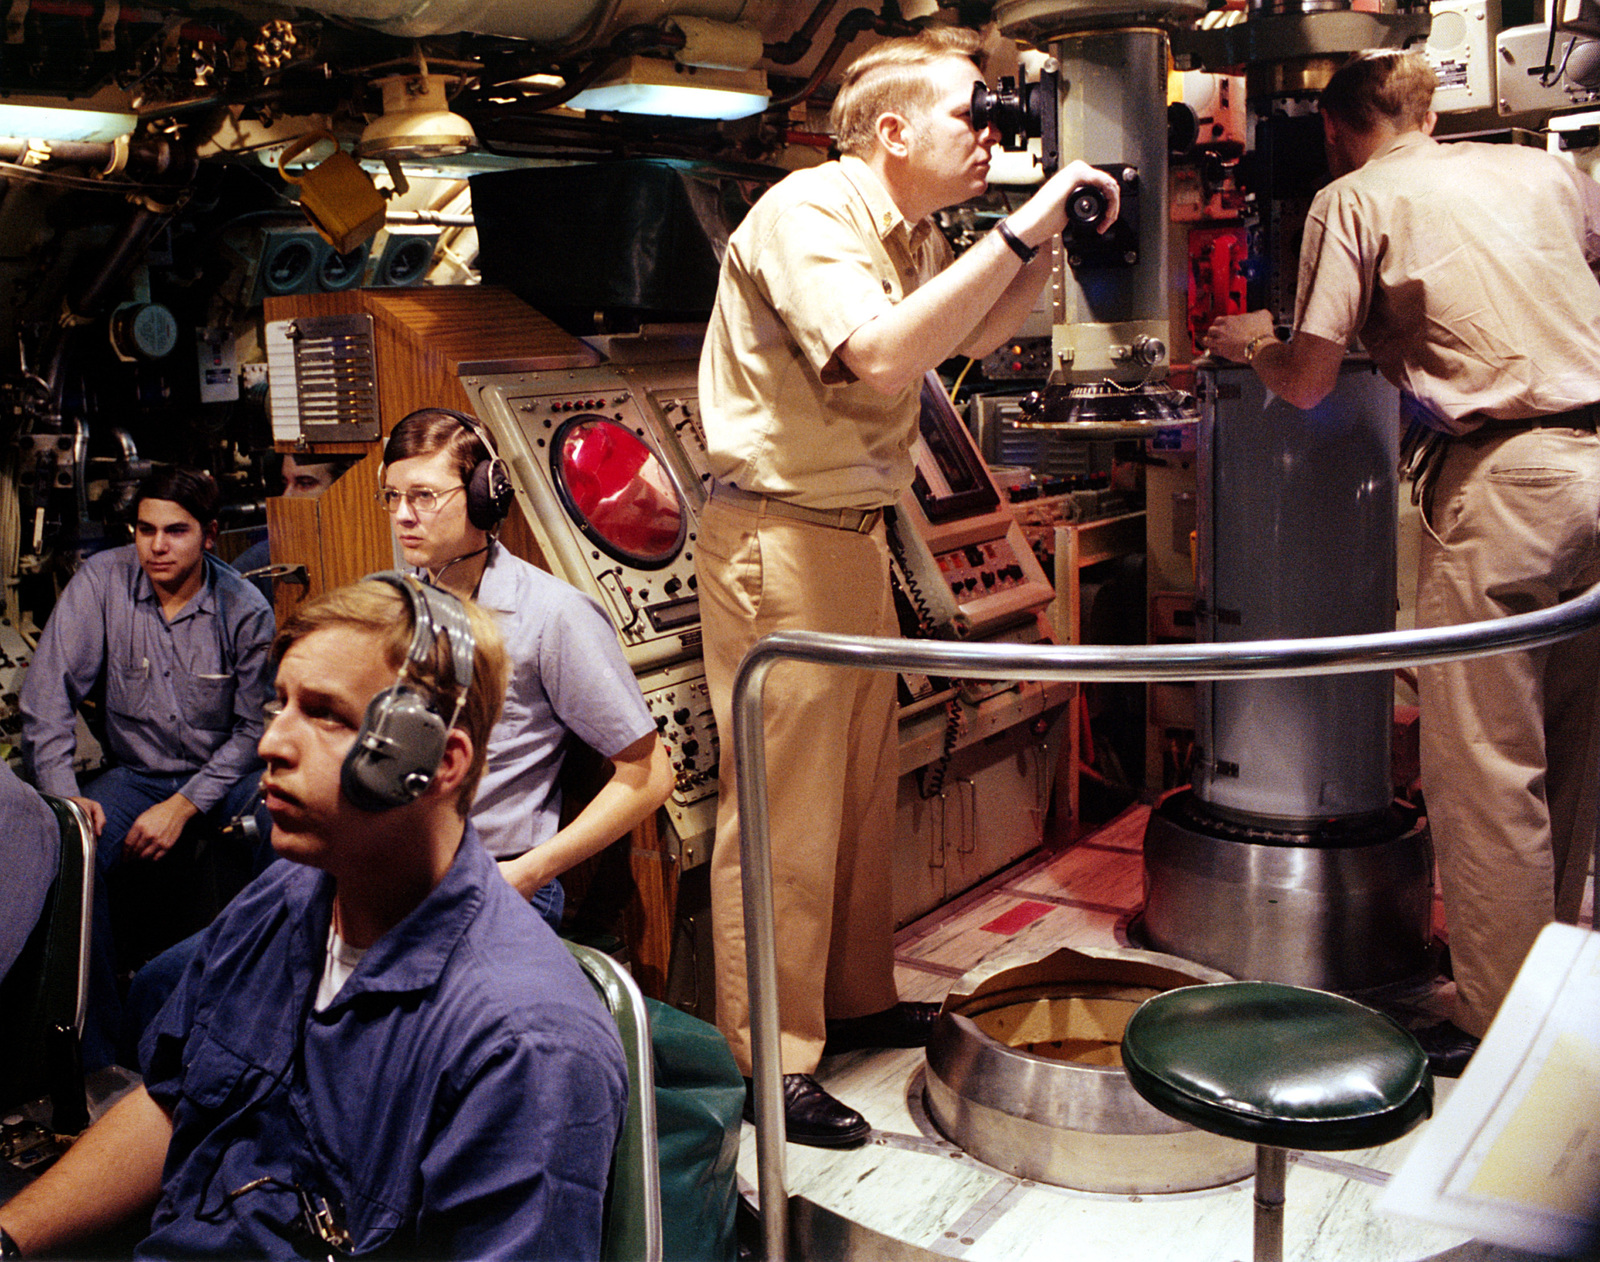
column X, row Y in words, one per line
column 649, row 85
column 47, row 122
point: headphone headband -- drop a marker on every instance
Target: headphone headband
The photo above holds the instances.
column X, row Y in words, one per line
column 479, row 429
column 489, row 489
column 402, row 738
column 434, row 610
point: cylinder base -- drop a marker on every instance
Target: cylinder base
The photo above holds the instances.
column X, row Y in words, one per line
column 1347, row 916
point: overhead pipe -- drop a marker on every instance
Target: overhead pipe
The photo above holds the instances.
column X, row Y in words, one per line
column 798, row 45
column 635, row 39
column 650, row 38
column 165, row 169
column 854, row 23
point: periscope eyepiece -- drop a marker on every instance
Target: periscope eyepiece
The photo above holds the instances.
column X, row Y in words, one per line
column 1011, row 110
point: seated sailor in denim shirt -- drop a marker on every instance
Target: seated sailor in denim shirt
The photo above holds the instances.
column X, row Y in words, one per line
column 181, row 643
column 30, row 846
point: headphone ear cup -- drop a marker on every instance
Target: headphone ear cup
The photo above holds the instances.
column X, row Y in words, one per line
column 396, row 753
column 489, row 494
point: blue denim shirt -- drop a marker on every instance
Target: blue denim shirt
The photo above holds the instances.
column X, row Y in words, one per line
column 30, row 855
column 458, row 1099
column 182, row 698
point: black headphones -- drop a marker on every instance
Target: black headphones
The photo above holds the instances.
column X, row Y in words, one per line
column 489, row 489
column 403, row 733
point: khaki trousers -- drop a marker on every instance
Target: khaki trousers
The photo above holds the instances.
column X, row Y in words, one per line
column 1509, row 751
column 832, row 751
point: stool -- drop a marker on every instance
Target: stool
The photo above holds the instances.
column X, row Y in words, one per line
column 1279, row 1067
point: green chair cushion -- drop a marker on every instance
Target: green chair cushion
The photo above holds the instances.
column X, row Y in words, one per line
column 1280, row 1065
column 699, row 1099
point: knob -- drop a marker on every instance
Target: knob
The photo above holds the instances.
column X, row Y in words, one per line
column 1086, row 206
column 1149, row 350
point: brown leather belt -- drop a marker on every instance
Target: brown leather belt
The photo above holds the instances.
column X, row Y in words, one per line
column 859, row 521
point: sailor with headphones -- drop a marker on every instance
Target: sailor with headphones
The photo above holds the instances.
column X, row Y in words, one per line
column 447, row 491
column 374, row 1048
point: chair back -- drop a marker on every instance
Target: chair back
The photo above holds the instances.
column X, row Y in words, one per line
column 631, row 1231
column 45, row 993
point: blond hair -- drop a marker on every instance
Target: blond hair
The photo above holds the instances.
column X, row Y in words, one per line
column 379, row 609
column 1381, row 84
column 892, row 78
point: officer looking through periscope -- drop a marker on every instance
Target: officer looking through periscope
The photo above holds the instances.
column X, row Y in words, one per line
column 837, row 295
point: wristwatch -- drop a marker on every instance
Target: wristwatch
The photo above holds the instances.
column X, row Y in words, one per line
column 1254, row 345
column 1018, row 246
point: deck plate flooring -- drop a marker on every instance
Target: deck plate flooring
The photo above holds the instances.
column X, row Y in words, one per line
column 923, row 1195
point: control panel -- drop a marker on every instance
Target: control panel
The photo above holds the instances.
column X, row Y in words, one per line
column 982, row 569
column 609, row 500
column 680, row 703
column 1022, row 359
column 682, row 414
column 673, row 394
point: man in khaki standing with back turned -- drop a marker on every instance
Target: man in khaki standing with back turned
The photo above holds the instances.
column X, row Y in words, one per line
column 1466, row 270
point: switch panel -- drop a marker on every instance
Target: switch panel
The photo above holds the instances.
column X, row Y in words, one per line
column 681, row 706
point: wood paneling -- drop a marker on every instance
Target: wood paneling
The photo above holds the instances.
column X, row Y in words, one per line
column 424, row 339
column 295, row 534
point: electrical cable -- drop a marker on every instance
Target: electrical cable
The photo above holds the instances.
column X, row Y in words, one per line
column 955, row 386
column 1545, row 80
column 931, row 777
column 16, row 171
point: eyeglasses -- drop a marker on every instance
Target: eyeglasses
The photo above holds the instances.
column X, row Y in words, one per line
column 423, row 500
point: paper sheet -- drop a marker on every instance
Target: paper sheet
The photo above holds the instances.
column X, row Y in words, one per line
column 1513, row 1156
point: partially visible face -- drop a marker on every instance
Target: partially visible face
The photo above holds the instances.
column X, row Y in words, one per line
column 429, row 540
column 171, row 544
column 950, row 154
column 324, row 684
column 1333, row 146
column 1348, row 149
column 304, row 481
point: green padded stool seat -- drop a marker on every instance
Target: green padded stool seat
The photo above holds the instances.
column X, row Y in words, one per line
column 1280, row 1067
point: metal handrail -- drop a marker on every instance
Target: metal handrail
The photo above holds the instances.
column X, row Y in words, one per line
column 1251, row 659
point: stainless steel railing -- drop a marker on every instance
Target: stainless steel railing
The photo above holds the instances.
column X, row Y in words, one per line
column 1332, row 655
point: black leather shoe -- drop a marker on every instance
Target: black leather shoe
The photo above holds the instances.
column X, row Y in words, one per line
column 812, row 1116
column 1448, row 1048
column 904, row 1025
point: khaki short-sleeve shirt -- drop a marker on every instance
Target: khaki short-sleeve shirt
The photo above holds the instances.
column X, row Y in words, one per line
column 823, row 252
column 1466, row 270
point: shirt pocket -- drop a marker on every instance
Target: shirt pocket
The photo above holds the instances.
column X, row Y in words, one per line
column 208, row 701
column 214, row 1077
column 128, row 687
